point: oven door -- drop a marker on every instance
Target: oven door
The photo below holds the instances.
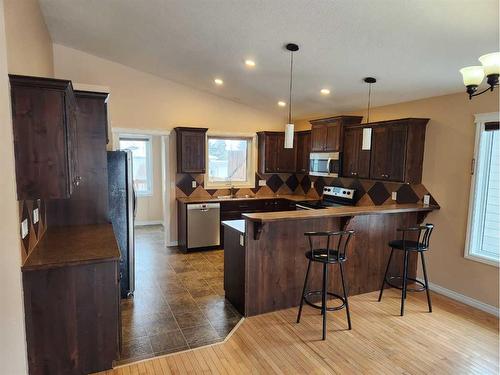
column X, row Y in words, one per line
column 324, row 164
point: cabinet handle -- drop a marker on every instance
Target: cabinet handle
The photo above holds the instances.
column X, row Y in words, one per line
column 354, row 174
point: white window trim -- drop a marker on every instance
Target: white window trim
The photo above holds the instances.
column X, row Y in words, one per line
column 133, row 135
column 480, row 120
column 251, row 157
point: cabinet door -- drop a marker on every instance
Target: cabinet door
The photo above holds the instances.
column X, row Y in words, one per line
column 303, row 151
column 72, row 139
column 351, row 153
column 318, row 137
column 192, row 151
column 397, row 144
column 286, row 156
column 380, row 153
column 271, row 154
column 333, row 136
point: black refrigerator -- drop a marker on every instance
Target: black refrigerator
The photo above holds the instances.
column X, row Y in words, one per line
column 122, row 207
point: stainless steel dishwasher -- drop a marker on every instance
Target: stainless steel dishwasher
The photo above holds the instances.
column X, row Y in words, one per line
column 203, row 225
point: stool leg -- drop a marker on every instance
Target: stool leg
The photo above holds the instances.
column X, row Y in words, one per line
column 323, row 304
column 385, row 276
column 426, row 282
column 303, row 291
column 345, row 295
column 405, row 282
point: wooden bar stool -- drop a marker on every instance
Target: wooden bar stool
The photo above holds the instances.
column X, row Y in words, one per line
column 419, row 245
column 326, row 256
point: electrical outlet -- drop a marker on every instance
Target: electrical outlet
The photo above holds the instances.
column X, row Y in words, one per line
column 262, row 182
column 394, row 195
column 35, row 216
column 242, row 240
column 193, row 184
column 24, row 228
column 312, row 184
column 427, row 199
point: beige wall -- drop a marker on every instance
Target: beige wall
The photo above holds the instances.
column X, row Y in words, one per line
column 150, row 208
column 28, row 40
column 448, row 152
column 12, row 336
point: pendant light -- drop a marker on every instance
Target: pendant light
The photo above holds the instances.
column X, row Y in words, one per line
column 370, row 81
column 289, row 128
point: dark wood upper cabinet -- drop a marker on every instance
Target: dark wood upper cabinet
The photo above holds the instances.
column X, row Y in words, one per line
column 45, row 137
column 397, row 150
column 89, row 203
column 327, row 133
column 355, row 161
column 191, row 149
column 273, row 156
column 303, row 151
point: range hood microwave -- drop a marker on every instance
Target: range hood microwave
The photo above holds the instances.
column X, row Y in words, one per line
column 326, row 164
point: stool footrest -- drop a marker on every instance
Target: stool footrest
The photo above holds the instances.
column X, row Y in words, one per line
column 389, row 280
column 319, row 293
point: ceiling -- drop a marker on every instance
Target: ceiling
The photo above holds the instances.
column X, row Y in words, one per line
column 414, row 48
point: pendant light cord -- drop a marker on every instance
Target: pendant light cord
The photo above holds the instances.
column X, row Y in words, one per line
column 291, row 85
column 369, row 99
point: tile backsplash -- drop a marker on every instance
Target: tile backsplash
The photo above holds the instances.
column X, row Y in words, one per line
column 368, row 192
column 35, row 230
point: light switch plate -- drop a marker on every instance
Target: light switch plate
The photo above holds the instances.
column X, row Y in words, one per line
column 242, row 240
column 193, row 184
column 262, row 182
column 427, row 199
column 312, row 184
column 35, row 216
column 394, row 195
column 24, row 228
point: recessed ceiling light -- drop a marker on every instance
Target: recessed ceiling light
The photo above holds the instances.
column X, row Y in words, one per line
column 282, row 103
column 250, row 63
column 325, row 91
column 218, row 81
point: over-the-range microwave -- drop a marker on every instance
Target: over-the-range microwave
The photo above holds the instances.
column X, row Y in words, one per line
column 325, row 164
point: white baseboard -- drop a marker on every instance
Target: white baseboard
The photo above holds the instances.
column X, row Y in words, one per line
column 140, row 223
column 172, row 243
column 464, row 299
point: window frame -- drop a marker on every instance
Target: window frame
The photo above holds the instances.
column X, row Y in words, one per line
column 149, row 158
column 251, row 160
column 480, row 120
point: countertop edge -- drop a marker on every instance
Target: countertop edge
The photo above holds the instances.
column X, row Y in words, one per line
column 235, row 225
column 266, row 217
column 290, row 197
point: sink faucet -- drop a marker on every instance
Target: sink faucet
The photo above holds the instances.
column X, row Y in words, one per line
column 231, row 191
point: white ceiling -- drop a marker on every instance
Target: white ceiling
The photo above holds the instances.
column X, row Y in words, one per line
column 413, row 47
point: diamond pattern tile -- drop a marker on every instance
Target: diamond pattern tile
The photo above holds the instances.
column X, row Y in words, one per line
column 25, row 216
column 406, row 195
column 319, row 184
column 185, row 184
column 305, row 184
column 358, row 186
column 274, row 182
column 292, row 182
column 378, row 193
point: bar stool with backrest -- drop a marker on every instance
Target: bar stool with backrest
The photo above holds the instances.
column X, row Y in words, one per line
column 419, row 244
column 327, row 255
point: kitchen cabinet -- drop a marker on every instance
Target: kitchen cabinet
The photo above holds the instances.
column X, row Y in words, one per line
column 355, row 161
column 303, row 151
column 45, row 137
column 89, row 203
column 397, row 150
column 191, row 148
column 273, row 156
column 327, row 133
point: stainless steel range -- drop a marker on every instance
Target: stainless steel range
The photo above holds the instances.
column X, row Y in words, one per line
column 333, row 196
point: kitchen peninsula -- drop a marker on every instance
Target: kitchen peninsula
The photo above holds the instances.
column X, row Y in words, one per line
column 270, row 247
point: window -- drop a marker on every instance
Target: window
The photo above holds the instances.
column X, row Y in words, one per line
column 483, row 235
column 229, row 161
column 141, row 161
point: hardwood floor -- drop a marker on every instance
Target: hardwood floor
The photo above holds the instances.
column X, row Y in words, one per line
column 454, row 339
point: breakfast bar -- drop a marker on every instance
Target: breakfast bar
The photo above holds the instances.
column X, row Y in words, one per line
column 267, row 252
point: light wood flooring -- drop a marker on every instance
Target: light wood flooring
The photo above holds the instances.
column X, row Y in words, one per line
column 454, row 339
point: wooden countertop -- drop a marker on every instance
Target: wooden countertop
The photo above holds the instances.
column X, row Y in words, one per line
column 264, row 217
column 73, row 245
column 290, row 197
column 237, row 225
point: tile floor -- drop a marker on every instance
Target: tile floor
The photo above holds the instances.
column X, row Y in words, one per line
column 178, row 302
